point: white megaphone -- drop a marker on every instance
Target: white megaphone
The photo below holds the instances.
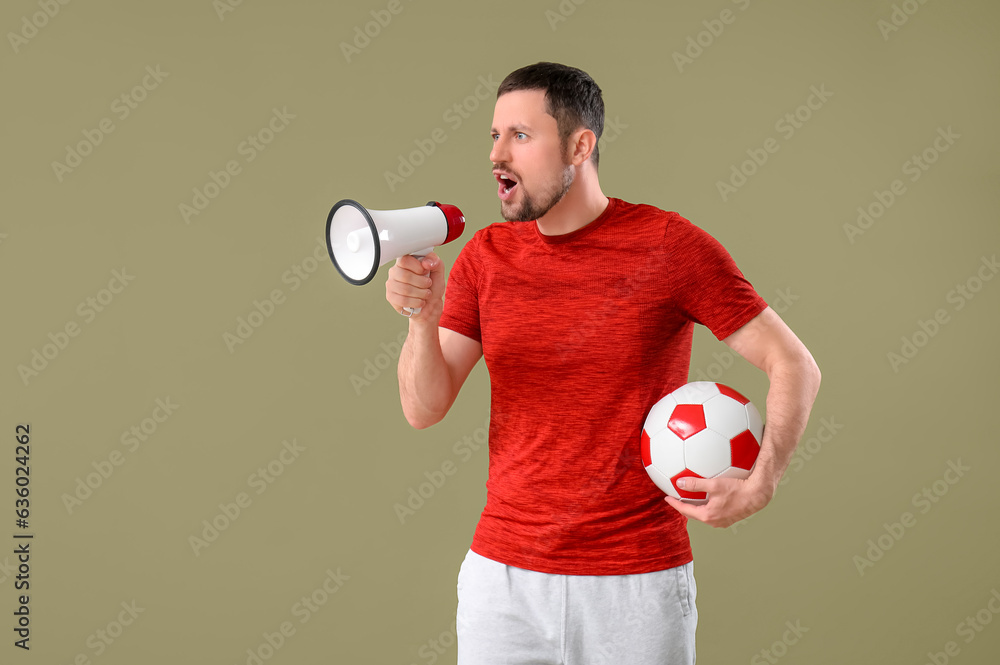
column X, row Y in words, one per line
column 362, row 240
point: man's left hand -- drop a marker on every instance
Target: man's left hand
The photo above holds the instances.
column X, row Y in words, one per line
column 729, row 499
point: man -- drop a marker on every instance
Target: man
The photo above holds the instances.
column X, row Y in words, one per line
column 583, row 307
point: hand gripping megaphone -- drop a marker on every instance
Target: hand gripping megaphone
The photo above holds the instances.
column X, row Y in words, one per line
column 362, row 240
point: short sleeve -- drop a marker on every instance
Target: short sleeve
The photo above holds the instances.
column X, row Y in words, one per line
column 707, row 287
column 461, row 299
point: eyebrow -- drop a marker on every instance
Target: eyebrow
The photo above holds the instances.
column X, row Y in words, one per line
column 515, row 128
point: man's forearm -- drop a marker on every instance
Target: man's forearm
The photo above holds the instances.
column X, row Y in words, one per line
column 794, row 384
column 425, row 382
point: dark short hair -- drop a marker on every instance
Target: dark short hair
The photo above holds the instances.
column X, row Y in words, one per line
column 571, row 97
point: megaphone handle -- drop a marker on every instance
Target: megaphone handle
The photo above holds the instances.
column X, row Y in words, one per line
column 410, row 311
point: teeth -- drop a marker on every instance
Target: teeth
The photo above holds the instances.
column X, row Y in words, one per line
column 503, row 177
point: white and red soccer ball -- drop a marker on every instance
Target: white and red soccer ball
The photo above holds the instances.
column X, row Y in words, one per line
column 702, row 429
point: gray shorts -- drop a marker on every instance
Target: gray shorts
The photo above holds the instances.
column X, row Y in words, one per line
column 512, row 616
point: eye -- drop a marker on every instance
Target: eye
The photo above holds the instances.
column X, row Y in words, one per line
column 522, row 134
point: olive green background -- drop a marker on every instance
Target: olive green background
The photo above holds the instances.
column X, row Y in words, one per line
column 320, row 371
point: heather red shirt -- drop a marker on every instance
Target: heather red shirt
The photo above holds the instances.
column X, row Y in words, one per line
column 582, row 333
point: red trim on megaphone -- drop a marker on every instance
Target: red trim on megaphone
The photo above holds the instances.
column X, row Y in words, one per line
column 455, row 218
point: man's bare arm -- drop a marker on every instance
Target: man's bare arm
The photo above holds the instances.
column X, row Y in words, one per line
column 794, row 380
column 433, row 366
column 434, row 362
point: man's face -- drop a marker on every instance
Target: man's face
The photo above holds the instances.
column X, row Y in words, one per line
column 529, row 163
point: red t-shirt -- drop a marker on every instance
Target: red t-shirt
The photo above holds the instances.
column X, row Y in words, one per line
column 582, row 333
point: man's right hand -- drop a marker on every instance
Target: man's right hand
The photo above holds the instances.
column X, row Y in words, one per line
column 417, row 283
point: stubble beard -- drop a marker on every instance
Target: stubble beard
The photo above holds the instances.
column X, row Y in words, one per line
column 531, row 208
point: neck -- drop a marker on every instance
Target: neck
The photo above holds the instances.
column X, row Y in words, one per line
column 582, row 204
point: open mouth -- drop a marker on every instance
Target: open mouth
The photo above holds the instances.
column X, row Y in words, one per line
column 507, row 186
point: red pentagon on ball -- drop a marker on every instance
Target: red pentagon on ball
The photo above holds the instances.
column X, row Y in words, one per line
column 744, row 448
column 686, row 420
column 647, row 459
column 687, row 473
column 726, row 390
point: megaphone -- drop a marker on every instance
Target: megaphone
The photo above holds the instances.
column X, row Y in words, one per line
column 362, row 240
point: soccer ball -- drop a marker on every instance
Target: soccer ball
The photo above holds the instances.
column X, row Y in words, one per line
column 704, row 430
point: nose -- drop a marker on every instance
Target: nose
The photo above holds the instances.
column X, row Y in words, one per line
column 499, row 153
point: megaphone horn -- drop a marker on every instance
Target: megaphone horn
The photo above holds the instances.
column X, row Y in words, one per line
column 362, row 240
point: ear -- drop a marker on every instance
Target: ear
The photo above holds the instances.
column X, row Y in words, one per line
column 582, row 143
